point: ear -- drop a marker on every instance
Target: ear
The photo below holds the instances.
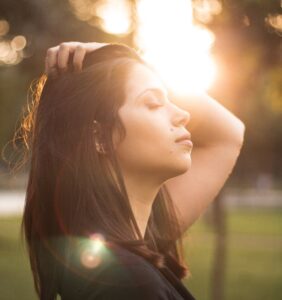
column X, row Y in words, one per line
column 97, row 130
column 115, row 138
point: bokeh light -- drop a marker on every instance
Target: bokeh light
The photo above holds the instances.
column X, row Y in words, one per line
column 9, row 55
column 4, row 27
column 112, row 16
column 205, row 10
column 11, row 50
column 4, row 49
column 18, row 43
column 275, row 21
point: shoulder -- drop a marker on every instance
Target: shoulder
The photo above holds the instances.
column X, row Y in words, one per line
column 117, row 273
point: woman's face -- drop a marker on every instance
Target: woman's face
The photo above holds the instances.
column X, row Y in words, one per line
column 152, row 125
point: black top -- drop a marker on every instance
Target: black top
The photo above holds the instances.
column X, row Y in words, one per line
column 117, row 273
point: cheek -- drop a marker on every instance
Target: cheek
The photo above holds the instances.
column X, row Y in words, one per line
column 148, row 140
column 146, row 129
column 140, row 139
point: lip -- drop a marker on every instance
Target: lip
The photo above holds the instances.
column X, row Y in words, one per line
column 185, row 139
column 186, row 142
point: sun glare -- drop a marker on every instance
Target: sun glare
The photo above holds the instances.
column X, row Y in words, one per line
column 178, row 50
column 115, row 16
column 164, row 33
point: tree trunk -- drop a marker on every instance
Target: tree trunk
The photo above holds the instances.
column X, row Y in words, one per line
column 218, row 270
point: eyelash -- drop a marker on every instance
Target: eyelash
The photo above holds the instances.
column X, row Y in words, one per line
column 154, row 105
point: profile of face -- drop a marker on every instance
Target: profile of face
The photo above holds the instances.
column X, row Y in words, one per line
column 152, row 123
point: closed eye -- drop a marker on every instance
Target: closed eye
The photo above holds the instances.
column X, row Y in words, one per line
column 154, row 104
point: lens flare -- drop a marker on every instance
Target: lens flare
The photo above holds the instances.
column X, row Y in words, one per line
column 92, row 251
column 89, row 259
column 97, row 240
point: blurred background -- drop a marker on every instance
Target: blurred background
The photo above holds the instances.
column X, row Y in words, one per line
column 232, row 50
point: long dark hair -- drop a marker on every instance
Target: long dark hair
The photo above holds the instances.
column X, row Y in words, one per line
column 72, row 190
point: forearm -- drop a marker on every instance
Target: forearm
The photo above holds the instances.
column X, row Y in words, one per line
column 211, row 123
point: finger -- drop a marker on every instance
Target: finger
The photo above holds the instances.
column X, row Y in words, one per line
column 63, row 56
column 94, row 46
column 78, row 57
column 51, row 59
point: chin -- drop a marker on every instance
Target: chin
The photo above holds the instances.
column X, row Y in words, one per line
column 184, row 161
column 181, row 167
column 185, row 167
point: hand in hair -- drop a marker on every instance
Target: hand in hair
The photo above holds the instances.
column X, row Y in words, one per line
column 59, row 57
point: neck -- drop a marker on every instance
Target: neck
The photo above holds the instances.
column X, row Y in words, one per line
column 142, row 193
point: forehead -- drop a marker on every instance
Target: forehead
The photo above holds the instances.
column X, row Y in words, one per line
column 140, row 79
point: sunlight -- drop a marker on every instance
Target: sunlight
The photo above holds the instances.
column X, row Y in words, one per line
column 206, row 9
column 165, row 34
column 112, row 16
column 174, row 46
column 115, row 16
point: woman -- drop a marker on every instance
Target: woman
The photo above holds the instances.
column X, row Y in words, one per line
column 111, row 187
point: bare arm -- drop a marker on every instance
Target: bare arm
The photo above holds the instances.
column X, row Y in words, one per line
column 218, row 136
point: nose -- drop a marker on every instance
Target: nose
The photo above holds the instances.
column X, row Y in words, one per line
column 180, row 117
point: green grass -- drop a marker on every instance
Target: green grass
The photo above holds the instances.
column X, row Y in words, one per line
column 16, row 281
column 253, row 268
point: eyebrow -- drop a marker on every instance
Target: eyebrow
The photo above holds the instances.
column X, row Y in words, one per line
column 155, row 90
